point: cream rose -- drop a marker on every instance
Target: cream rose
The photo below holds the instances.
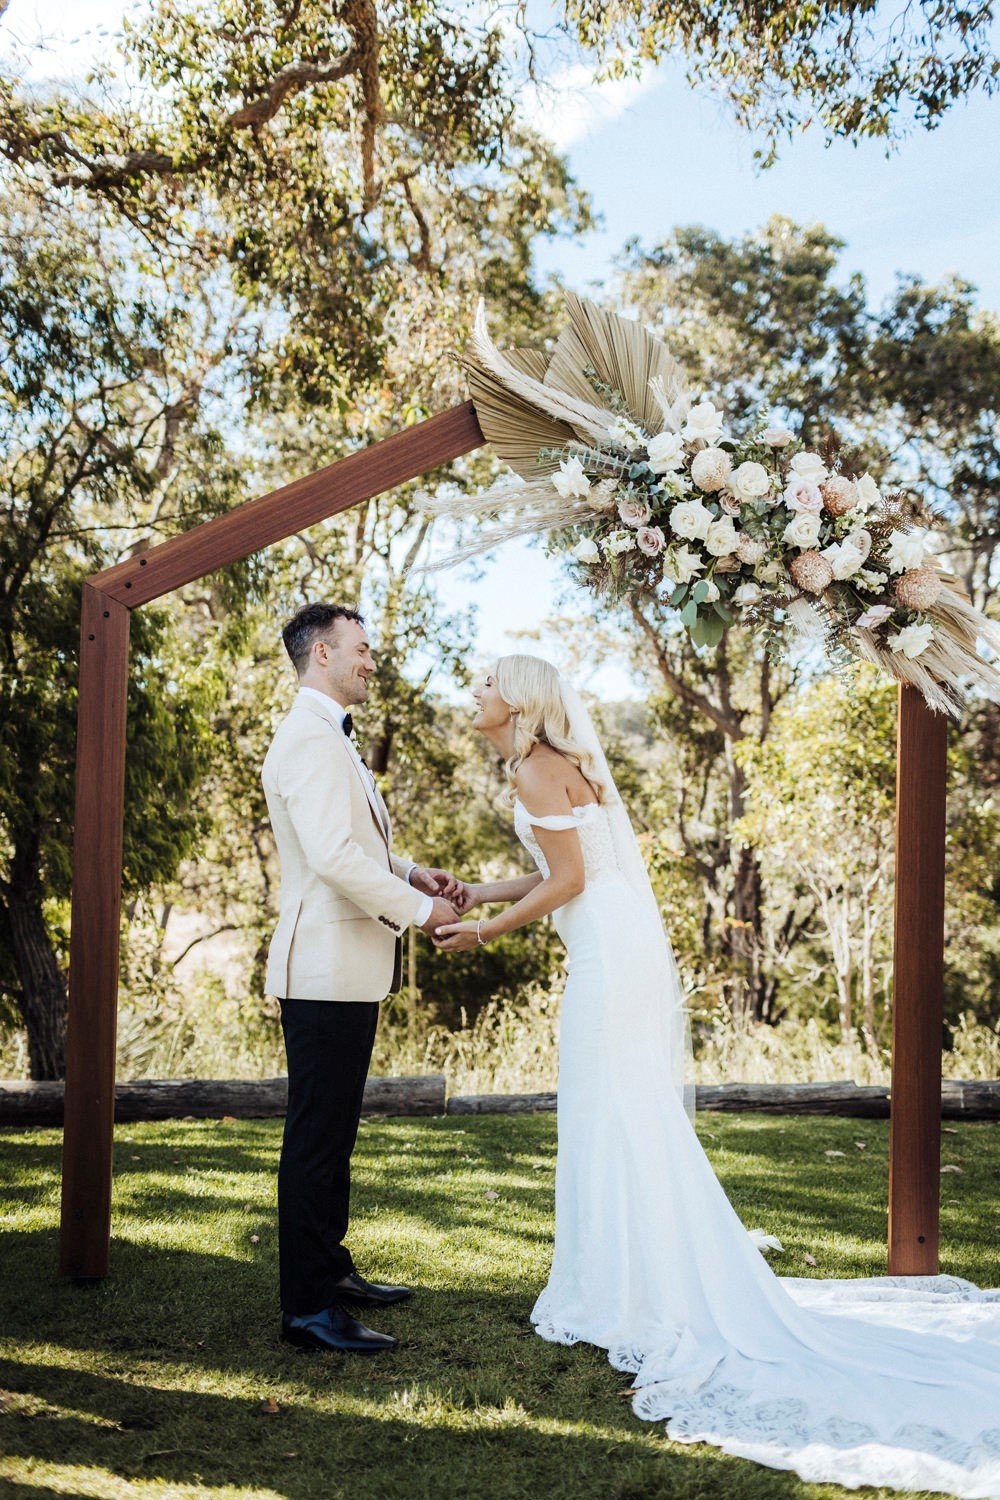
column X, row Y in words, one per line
column 804, row 496
column 750, row 482
column 777, row 436
column 721, row 538
column 906, row 550
column 869, row 493
column 802, row 531
column 691, row 520
column 809, row 466
column 844, row 559
column 665, row 452
column 704, row 423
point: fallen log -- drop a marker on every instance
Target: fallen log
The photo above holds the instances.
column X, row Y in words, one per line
column 960, row 1100
column 25, row 1103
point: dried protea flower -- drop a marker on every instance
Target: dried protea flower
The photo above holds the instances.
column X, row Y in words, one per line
column 603, row 496
column 750, row 549
column 918, row 588
column 839, row 494
column 812, row 572
column 710, row 469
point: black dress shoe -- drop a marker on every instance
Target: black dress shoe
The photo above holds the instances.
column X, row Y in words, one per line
column 335, row 1329
column 355, row 1288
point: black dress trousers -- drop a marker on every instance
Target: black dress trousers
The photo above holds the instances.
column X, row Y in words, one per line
column 328, row 1045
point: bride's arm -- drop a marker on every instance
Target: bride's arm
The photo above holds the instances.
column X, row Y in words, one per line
column 543, row 793
column 490, row 892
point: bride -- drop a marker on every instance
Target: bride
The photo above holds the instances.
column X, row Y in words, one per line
column 889, row 1381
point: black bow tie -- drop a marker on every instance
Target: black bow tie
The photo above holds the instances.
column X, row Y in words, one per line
column 348, row 724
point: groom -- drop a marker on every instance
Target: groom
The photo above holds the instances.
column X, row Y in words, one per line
column 335, row 953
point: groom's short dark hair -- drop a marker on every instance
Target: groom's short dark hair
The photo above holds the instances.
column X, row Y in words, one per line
column 308, row 624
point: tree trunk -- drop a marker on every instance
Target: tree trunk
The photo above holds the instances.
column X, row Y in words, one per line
column 42, row 998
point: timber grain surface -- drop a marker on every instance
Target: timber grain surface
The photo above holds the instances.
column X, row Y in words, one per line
column 23, row 1103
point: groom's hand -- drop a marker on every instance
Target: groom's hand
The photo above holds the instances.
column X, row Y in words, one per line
column 442, row 911
column 436, row 883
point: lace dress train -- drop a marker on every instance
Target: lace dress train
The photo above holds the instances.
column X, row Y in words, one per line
column 881, row 1381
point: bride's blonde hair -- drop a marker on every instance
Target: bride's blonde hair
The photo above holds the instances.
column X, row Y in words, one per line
column 531, row 688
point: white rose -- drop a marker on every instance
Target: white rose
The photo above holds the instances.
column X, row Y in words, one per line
column 777, row 436
column 691, row 520
column 704, row 423
column 844, row 559
column 804, row 496
column 650, row 540
column 906, row 550
column 809, row 466
column 586, row 550
column 665, row 451
column 633, row 510
column 619, row 541
column 750, row 482
column 721, row 538
column 571, row 482
column 802, row 531
column 869, row 493
column 747, row 593
column 684, row 564
column 771, row 572
column 912, row 639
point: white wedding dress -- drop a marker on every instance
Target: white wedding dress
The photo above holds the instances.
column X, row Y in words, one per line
column 889, row 1381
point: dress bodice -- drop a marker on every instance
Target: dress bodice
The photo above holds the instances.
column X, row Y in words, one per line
column 591, row 823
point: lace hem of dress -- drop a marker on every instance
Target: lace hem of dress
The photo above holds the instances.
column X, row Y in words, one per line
column 784, row 1434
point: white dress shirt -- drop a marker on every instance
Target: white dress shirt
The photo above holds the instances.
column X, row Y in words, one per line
column 328, row 699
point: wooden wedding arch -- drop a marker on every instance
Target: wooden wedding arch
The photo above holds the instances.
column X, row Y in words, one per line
column 108, row 599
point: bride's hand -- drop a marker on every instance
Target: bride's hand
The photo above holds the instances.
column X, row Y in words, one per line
column 457, row 937
column 466, row 898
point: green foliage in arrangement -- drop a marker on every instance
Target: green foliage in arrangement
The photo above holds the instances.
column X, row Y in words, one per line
column 125, row 1388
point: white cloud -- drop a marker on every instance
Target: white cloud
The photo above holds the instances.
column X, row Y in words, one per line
column 569, row 106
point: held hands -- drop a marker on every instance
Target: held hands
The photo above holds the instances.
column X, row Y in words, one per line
column 438, row 883
column 441, row 912
column 442, row 883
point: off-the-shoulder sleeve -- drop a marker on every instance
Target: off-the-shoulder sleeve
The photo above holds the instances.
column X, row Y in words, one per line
column 555, row 821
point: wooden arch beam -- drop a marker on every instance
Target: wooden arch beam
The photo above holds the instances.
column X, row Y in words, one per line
column 108, row 599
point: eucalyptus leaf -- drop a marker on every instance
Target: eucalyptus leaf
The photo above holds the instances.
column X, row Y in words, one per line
column 700, row 590
column 689, row 614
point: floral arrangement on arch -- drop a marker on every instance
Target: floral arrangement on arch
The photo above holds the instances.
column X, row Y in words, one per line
column 646, row 491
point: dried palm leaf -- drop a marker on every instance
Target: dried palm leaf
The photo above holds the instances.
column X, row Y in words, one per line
column 623, row 354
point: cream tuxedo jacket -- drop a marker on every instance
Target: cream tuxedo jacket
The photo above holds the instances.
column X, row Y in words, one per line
column 344, row 897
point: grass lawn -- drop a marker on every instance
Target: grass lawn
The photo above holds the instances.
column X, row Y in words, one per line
column 168, row 1379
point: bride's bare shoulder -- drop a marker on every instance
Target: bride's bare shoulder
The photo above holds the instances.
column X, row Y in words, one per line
column 543, row 781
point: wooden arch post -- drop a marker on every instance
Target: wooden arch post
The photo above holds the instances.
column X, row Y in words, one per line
column 108, row 599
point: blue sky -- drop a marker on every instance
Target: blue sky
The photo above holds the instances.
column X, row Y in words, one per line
column 654, row 154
